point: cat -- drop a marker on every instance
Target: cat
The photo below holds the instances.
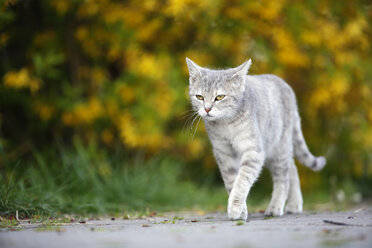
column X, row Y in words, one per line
column 252, row 121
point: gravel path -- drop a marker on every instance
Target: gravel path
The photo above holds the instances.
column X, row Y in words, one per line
column 325, row 229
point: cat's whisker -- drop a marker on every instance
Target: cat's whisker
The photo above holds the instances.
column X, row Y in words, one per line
column 196, row 128
column 186, row 114
column 192, row 124
column 186, row 127
column 190, row 117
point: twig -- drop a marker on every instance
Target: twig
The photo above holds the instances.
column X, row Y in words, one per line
column 344, row 224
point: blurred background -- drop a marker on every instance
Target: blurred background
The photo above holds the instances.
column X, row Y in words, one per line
column 93, row 99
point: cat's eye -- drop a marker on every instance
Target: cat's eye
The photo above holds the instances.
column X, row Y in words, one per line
column 199, row 97
column 220, row 97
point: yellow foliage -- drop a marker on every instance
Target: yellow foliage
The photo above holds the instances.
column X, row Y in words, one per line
column 367, row 139
column 141, row 134
column 91, row 8
column 8, row 3
column 320, row 97
column 370, row 114
column 312, row 38
column 164, row 99
column 61, row 6
column 195, row 147
column 147, row 65
column 44, row 37
column 124, row 71
column 358, row 168
column 67, row 119
column 127, row 93
column 4, row 37
column 287, row 52
column 339, row 85
column 178, row 8
column 267, row 9
column 149, row 30
column 84, row 113
column 21, row 79
column 133, row 17
column 107, row 136
column 112, row 110
column 45, row 111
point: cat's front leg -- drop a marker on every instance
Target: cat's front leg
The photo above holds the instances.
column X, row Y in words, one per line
column 251, row 165
column 228, row 165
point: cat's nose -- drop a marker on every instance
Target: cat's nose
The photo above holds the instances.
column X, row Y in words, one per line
column 207, row 109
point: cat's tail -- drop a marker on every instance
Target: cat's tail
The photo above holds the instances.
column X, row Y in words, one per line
column 302, row 152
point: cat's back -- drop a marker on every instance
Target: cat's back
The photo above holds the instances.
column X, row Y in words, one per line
column 275, row 106
column 268, row 82
column 271, row 88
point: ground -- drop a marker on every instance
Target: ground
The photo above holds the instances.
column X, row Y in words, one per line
column 194, row 229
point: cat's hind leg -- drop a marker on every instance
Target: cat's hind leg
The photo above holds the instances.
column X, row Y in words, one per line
column 280, row 173
column 295, row 201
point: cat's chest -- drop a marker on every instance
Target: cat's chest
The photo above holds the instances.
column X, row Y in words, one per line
column 228, row 133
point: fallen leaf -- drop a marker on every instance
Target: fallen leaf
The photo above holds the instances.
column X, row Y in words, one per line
column 200, row 212
column 239, row 223
column 145, row 225
column 326, row 230
column 152, row 214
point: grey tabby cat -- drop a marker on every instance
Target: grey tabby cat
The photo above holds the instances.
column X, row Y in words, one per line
column 252, row 121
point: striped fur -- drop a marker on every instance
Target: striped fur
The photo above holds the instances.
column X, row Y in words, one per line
column 255, row 124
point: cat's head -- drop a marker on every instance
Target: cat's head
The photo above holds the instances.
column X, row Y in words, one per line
column 217, row 94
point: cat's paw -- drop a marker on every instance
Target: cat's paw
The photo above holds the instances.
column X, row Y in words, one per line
column 274, row 211
column 244, row 214
column 235, row 213
column 293, row 208
column 235, row 210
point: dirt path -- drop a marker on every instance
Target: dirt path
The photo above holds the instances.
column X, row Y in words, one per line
column 336, row 229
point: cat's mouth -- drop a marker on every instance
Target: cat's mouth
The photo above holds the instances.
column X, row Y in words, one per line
column 209, row 116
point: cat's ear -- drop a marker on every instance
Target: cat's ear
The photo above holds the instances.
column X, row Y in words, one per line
column 242, row 69
column 194, row 70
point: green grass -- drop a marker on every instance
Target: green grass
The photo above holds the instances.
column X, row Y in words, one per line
column 84, row 180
